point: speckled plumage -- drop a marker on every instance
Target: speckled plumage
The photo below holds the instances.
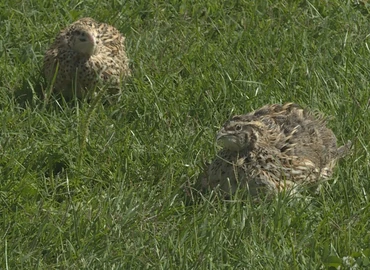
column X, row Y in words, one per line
column 85, row 54
column 274, row 148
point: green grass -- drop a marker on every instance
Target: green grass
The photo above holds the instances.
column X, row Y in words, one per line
column 103, row 188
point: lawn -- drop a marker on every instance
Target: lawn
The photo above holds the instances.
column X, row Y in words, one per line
column 101, row 186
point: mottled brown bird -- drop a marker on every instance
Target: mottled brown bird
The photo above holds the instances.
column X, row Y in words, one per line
column 84, row 55
column 275, row 148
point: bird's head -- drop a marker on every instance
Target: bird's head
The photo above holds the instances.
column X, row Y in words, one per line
column 238, row 135
column 83, row 40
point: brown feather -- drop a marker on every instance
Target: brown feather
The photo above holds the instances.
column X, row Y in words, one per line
column 104, row 64
column 274, row 148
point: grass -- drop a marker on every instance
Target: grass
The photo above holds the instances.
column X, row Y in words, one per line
column 103, row 188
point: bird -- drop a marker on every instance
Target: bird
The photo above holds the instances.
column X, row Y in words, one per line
column 278, row 147
column 85, row 55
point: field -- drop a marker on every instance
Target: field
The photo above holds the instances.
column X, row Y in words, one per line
column 101, row 186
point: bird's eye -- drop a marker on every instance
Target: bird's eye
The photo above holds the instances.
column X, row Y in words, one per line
column 238, row 127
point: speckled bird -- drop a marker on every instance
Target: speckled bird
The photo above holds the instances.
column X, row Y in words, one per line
column 275, row 148
column 84, row 55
